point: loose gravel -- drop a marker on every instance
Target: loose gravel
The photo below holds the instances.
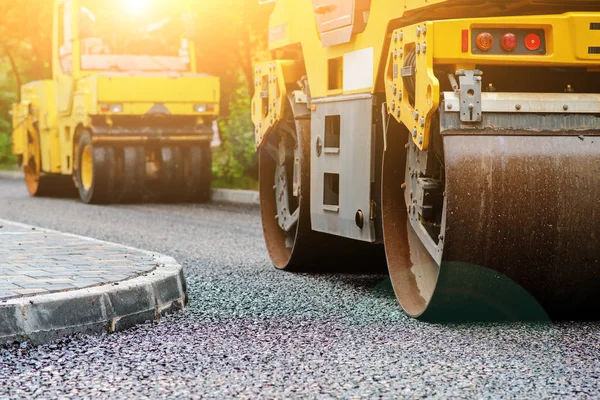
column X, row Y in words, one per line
column 253, row 332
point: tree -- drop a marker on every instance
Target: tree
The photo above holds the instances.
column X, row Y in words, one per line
column 231, row 36
column 26, row 39
column 25, row 50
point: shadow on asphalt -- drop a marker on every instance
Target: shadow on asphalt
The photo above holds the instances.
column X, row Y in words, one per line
column 514, row 306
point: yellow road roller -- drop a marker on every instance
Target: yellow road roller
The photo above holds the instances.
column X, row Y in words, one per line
column 126, row 114
column 458, row 141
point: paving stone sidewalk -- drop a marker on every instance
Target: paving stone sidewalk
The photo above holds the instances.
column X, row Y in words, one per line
column 54, row 284
column 34, row 261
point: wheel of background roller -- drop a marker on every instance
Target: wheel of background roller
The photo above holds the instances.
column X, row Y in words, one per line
column 41, row 184
column 133, row 174
column 171, row 174
column 197, row 173
column 95, row 173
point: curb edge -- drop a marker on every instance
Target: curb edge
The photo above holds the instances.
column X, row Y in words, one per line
column 235, row 196
column 106, row 308
column 11, row 175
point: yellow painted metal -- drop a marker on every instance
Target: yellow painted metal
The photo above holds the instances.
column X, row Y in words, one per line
column 35, row 113
column 292, row 26
column 19, row 122
column 63, row 106
column 87, row 168
column 293, row 22
column 568, row 38
column 271, row 80
column 31, row 162
column 189, row 89
column 141, row 108
column 416, row 117
column 567, row 43
column 142, row 138
column 293, row 31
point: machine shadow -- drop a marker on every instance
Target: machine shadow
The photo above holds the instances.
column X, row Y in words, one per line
column 465, row 294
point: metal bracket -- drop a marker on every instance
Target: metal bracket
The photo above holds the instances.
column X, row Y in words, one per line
column 424, row 197
column 300, row 97
column 408, row 70
column 285, row 220
column 529, row 103
column 470, row 95
column 385, row 117
column 297, row 175
column 430, row 199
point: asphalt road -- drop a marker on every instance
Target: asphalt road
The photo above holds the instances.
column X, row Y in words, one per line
column 253, row 332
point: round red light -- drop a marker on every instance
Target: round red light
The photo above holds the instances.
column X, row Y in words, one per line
column 509, row 42
column 533, row 41
column 484, row 41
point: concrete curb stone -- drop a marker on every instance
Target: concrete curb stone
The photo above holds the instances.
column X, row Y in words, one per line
column 235, row 196
column 11, row 175
column 107, row 308
column 250, row 197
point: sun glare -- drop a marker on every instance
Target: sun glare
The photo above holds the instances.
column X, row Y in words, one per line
column 135, row 6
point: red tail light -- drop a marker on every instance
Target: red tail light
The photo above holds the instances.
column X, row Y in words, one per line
column 533, row 41
column 508, row 42
column 485, row 41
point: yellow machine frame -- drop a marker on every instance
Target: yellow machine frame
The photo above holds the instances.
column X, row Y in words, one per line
column 61, row 108
column 440, row 41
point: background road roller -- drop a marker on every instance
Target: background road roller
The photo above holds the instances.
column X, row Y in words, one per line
column 126, row 113
column 460, row 139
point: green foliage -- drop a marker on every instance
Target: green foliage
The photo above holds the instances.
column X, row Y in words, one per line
column 6, row 100
column 238, row 35
column 25, row 35
column 236, row 160
column 6, row 157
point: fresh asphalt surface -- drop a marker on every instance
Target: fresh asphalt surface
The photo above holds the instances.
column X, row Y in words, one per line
column 251, row 331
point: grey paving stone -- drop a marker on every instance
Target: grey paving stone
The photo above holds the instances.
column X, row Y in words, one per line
column 6, row 293
column 81, row 284
column 60, row 286
column 4, row 286
column 34, row 261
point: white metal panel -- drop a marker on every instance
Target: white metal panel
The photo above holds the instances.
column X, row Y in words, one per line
column 358, row 70
column 353, row 161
